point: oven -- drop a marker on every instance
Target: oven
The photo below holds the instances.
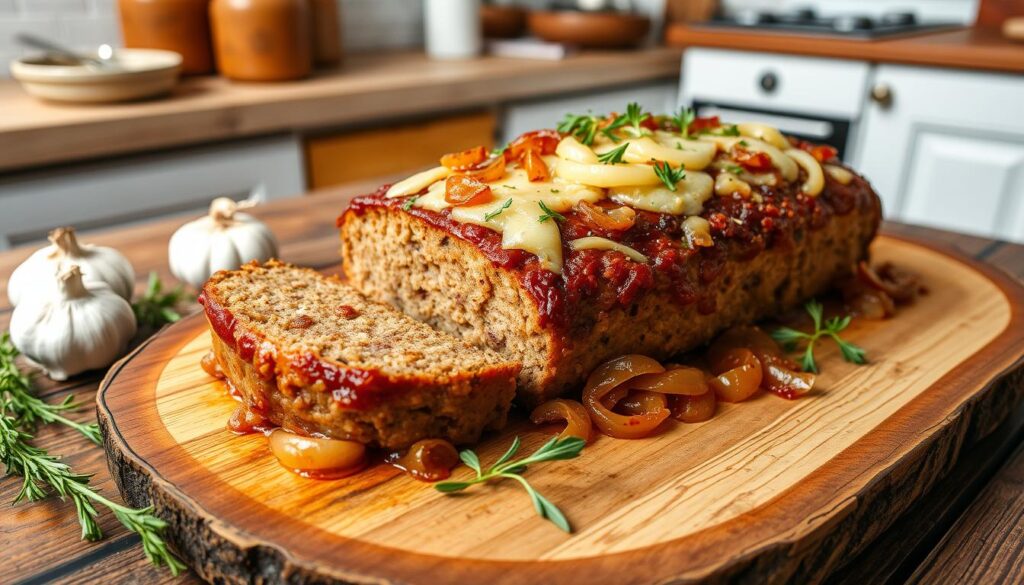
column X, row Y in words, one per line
column 817, row 99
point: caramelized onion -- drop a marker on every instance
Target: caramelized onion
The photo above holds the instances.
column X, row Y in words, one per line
column 741, row 380
column 694, row 409
column 465, row 190
column 464, row 160
column 754, row 161
column 577, row 421
column 536, row 168
column 244, row 420
column 639, row 402
column 785, row 381
column 618, row 219
column 541, row 141
column 316, row 457
column 675, row 380
column 607, row 378
column 779, row 374
column 901, row 286
column 428, row 460
column 488, row 172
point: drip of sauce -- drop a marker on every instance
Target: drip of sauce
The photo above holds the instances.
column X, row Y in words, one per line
column 211, row 366
column 427, row 460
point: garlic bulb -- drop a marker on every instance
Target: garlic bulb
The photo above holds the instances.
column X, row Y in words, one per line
column 74, row 328
column 223, row 240
column 99, row 264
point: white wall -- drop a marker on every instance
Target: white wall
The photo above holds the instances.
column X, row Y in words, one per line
column 946, row 10
column 366, row 24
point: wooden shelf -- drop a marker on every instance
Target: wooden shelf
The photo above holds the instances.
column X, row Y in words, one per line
column 368, row 89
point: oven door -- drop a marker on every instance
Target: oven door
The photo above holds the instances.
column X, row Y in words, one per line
column 819, row 129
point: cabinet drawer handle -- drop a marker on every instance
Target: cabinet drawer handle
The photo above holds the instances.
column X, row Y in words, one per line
column 881, row 94
column 769, row 82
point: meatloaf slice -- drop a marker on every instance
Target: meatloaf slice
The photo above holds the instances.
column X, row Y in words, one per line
column 768, row 257
column 313, row 355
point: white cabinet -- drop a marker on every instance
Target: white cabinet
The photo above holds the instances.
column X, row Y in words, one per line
column 948, row 149
column 94, row 195
column 525, row 116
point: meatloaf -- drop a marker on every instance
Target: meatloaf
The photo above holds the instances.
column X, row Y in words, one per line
column 312, row 355
column 738, row 223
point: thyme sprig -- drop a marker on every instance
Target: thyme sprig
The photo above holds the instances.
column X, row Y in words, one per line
column 669, row 176
column 25, row 406
column 493, row 214
column 613, row 156
column 42, row 472
column 549, row 213
column 683, row 119
column 157, row 308
column 507, row 468
column 791, row 338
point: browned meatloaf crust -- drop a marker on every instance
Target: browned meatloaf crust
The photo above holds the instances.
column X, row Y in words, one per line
column 312, row 355
column 771, row 252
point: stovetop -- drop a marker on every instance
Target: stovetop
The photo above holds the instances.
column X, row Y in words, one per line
column 854, row 26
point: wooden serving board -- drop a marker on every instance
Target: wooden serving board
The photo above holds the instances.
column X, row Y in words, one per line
column 768, row 490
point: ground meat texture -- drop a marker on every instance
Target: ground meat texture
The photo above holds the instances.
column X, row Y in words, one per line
column 313, row 355
column 771, row 253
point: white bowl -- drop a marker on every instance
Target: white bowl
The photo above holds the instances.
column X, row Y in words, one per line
column 137, row 74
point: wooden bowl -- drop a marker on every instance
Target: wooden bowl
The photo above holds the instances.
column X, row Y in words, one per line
column 599, row 30
column 502, row 22
column 142, row 73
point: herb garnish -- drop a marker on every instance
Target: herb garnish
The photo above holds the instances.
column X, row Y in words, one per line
column 30, row 411
column 549, row 213
column 790, row 338
column 497, row 212
column 40, row 470
column 497, row 151
column 506, row 468
column 554, row 190
column 634, row 116
column 157, row 308
column 409, row 203
column 513, row 187
column 734, row 169
column 668, row 175
column 582, row 126
column 683, row 120
column 613, row 156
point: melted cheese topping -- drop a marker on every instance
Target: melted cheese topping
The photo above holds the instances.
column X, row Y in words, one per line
column 579, row 175
column 688, row 198
column 596, row 243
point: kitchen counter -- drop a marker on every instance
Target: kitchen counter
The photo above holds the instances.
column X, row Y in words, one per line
column 970, row 48
column 367, row 89
column 966, row 528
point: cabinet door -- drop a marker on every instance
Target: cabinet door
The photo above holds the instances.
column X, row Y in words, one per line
column 127, row 190
column 948, row 149
column 360, row 155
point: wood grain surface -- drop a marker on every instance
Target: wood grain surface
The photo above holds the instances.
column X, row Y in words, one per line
column 970, row 48
column 368, row 89
column 785, row 489
column 42, row 542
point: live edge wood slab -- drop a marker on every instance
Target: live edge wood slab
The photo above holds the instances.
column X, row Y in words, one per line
column 767, row 491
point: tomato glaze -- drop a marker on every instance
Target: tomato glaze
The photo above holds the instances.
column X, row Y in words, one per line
column 352, row 388
column 742, row 228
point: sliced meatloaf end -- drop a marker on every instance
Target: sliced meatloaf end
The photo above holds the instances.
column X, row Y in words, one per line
column 313, row 355
column 421, row 263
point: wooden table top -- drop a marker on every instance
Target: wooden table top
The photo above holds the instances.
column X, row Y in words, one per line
column 368, row 88
column 966, row 529
column 967, row 48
